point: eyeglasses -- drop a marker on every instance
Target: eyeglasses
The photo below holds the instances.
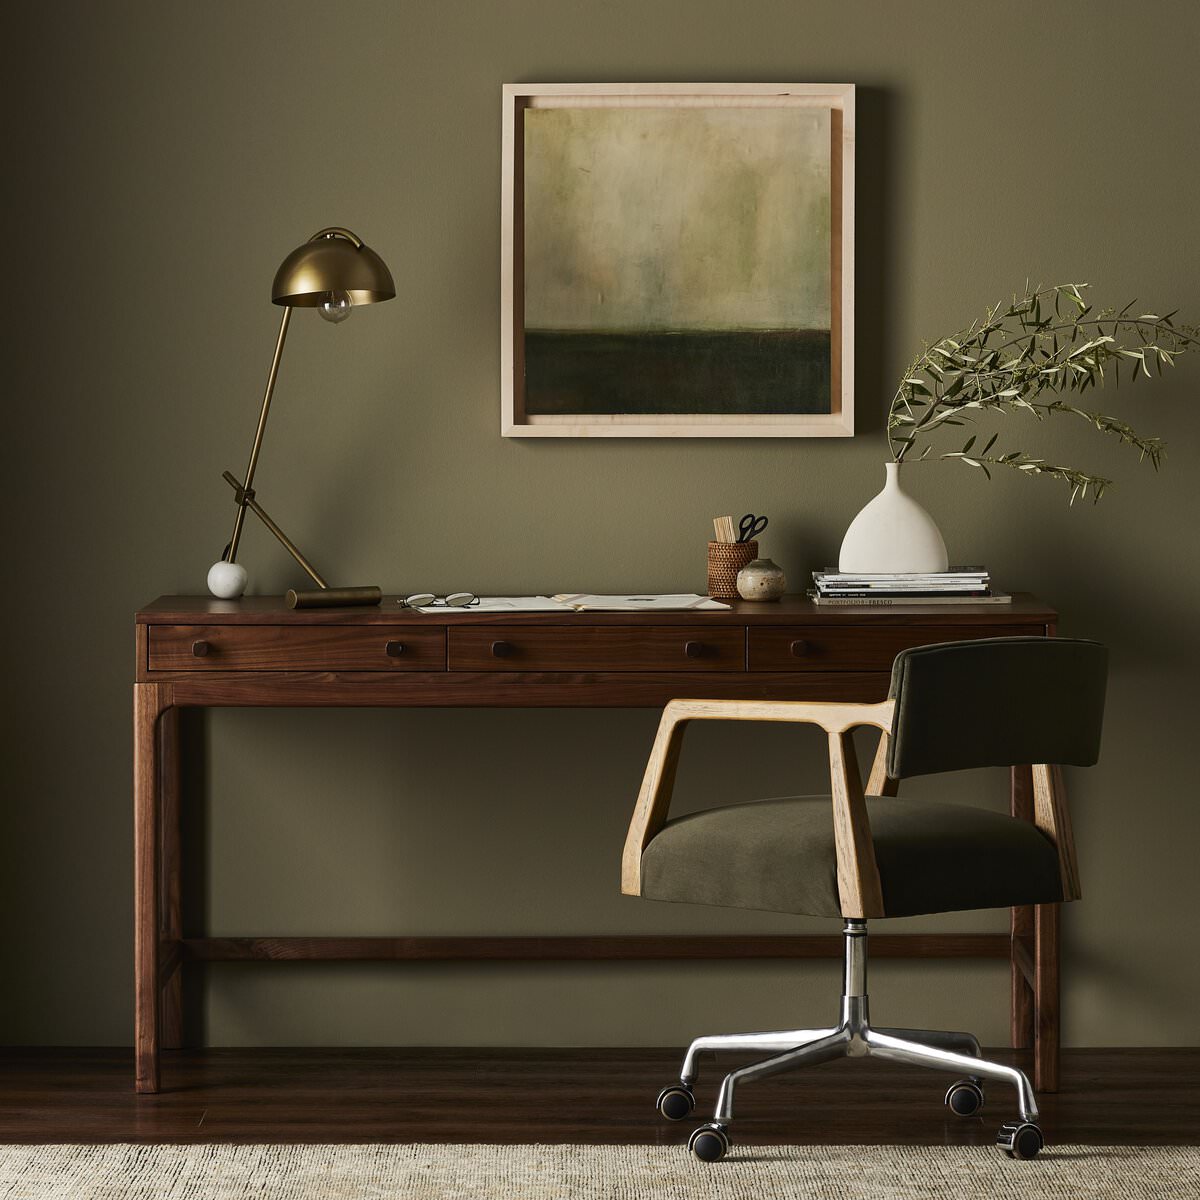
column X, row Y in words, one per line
column 429, row 600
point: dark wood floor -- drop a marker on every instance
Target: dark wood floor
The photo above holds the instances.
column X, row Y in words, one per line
column 1108, row 1097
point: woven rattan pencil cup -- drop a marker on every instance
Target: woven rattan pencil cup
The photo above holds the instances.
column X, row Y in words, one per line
column 725, row 560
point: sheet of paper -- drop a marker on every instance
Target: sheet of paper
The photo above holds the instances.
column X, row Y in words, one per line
column 503, row 604
column 687, row 602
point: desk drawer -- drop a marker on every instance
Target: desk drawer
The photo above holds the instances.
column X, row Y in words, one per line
column 858, row 647
column 291, row 648
column 596, row 648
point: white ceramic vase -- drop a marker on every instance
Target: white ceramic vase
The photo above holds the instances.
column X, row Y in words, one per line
column 893, row 534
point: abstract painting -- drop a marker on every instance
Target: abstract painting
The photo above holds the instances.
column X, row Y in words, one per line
column 680, row 266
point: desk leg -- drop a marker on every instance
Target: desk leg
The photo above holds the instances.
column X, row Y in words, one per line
column 150, row 701
column 1046, row 998
column 170, row 868
column 1021, row 928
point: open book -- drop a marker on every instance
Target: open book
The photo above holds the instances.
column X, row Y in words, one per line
column 635, row 602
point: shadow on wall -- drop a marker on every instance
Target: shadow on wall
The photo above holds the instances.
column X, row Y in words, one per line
column 877, row 127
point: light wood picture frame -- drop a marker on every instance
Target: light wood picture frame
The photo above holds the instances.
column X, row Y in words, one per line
column 677, row 260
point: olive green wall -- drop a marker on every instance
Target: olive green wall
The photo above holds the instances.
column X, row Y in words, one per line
column 164, row 157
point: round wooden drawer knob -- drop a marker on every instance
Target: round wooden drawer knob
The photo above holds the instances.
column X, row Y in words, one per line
column 694, row 649
column 200, row 649
column 503, row 649
column 799, row 648
column 394, row 649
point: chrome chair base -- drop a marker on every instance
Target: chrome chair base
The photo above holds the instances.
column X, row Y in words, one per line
column 853, row 1037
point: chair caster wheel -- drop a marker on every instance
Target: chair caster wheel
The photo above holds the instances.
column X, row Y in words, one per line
column 1020, row 1139
column 709, row 1143
column 965, row 1098
column 676, row 1101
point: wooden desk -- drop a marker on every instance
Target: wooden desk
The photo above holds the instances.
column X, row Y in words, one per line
column 198, row 652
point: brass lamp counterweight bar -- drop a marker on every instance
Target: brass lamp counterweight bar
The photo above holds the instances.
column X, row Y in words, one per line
column 248, row 489
column 245, row 499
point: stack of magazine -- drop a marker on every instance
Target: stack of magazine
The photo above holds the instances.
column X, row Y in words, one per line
column 958, row 585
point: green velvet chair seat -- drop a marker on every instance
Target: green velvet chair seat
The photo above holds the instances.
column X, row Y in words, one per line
column 779, row 855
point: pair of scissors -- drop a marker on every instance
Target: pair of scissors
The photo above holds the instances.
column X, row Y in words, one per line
column 751, row 526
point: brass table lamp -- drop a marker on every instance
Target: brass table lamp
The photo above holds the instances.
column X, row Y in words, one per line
column 332, row 272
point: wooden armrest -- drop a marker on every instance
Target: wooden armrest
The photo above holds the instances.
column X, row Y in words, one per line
column 832, row 716
column 858, row 876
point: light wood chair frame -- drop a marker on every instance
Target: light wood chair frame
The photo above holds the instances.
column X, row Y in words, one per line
column 859, row 890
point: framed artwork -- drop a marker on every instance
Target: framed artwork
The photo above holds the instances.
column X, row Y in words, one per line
column 678, row 260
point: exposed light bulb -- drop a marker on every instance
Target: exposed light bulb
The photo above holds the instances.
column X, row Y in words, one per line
column 335, row 307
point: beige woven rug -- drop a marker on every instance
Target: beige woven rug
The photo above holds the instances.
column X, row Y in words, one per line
column 429, row 1172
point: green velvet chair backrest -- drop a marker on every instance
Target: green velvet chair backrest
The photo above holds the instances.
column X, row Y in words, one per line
column 997, row 702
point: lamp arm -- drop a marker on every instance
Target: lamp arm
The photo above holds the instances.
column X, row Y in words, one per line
column 239, row 520
column 246, row 499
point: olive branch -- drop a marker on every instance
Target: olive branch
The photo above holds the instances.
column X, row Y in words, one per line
column 1021, row 358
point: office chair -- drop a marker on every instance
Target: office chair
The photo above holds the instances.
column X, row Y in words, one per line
column 994, row 702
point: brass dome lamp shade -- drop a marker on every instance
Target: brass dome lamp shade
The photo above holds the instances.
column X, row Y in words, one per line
column 331, row 263
column 333, row 272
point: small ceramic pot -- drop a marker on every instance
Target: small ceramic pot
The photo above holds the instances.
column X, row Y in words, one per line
column 761, row 580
